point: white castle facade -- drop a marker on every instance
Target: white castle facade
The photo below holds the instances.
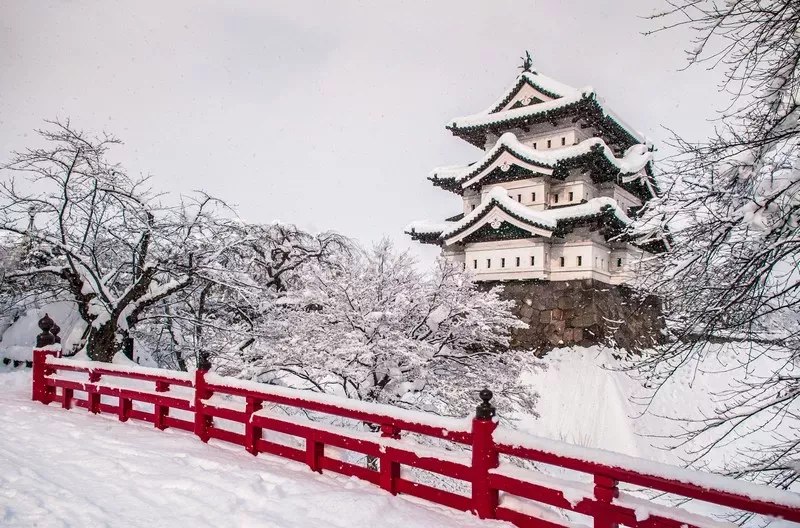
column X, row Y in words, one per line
column 560, row 179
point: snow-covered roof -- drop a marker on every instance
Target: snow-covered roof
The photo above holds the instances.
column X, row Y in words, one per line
column 498, row 197
column 541, row 83
column 450, row 171
column 541, row 223
column 424, row 227
column 485, row 119
column 634, row 160
column 562, row 96
column 591, row 207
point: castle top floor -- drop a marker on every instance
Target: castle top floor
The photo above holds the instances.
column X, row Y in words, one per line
column 541, row 110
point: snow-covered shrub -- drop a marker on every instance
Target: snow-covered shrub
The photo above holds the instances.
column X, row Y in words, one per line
column 374, row 328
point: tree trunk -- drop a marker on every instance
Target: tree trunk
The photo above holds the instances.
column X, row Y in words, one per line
column 104, row 342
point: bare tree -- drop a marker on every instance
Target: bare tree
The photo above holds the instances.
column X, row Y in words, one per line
column 101, row 234
column 731, row 206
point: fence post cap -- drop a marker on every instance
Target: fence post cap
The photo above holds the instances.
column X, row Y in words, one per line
column 47, row 338
column 46, row 323
column 485, row 411
column 55, row 331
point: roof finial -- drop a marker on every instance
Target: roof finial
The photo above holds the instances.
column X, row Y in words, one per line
column 527, row 62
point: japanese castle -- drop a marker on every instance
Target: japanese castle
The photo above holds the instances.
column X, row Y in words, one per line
column 560, row 178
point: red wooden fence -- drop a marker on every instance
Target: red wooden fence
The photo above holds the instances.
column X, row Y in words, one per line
column 499, row 490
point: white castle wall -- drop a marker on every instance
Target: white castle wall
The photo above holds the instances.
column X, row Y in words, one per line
column 538, row 193
column 498, row 260
column 583, row 258
column 540, row 133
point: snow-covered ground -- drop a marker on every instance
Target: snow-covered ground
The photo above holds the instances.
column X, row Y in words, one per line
column 60, row 468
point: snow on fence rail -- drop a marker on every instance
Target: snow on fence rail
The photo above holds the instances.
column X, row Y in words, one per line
column 202, row 395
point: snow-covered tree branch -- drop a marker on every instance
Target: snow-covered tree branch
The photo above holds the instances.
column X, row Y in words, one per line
column 239, row 298
column 112, row 246
column 373, row 327
column 731, row 210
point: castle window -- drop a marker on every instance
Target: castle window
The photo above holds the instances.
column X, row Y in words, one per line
column 533, row 260
column 534, row 145
column 571, row 196
column 517, row 261
column 602, row 263
column 555, row 198
column 488, row 263
column 473, row 207
column 580, row 260
column 549, row 143
column 502, row 263
column 519, row 198
column 561, row 261
column 533, row 197
column 563, row 141
column 619, row 262
column 475, row 264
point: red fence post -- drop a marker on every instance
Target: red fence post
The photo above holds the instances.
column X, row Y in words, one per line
column 66, row 401
column 314, row 452
column 390, row 470
column 125, row 407
column 202, row 421
column 605, row 491
column 160, row 411
column 40, row 390
column 92, row 395
column 252, row 434
column 484, row 458
column 38, row 385
column 49, row 336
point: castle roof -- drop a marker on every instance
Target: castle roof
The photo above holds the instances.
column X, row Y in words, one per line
column 547, row 101
column 556, row 163
column 497, row 206
column 541, row 83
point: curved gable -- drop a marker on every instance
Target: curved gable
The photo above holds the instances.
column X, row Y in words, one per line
column 530, row 88
column 527, row 94
column 505, row 165
column 496, row 212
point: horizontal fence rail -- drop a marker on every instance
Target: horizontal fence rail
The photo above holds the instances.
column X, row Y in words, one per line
column 499, row 490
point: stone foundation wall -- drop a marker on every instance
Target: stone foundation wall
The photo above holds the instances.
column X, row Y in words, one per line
column 583, row 312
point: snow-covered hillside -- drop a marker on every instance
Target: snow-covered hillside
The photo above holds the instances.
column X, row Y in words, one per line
column 71, row 469
column 583, row 403
column 586, row 400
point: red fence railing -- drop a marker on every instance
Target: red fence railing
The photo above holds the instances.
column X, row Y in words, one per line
column 498, row 489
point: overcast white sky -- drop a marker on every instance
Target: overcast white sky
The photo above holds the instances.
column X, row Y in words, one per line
column 325, row 114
